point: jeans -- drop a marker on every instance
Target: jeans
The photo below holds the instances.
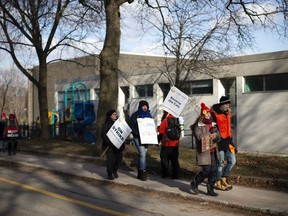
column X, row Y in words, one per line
column 142, row 150
column 231, row 160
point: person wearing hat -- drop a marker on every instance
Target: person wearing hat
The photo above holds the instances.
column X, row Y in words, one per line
column 142, row 112
column 222, row 116
column 205, row 127
column 114, row 155
column 11, row 134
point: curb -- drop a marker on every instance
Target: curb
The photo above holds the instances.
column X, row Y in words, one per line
column 201, row 200
column 247, row 181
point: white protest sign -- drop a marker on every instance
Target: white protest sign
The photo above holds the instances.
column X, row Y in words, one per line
column 147, row 131
column 175, row 102
column 119, row 132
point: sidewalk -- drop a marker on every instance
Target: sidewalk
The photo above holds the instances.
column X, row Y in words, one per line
column 272, row 202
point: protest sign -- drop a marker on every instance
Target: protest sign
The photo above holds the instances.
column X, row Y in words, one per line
column 147, row 131
column 175, row 102
column 207, row 143
column 119, row 132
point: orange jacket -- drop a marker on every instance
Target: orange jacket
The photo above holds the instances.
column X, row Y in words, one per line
column 224, row 124
column 162, row 130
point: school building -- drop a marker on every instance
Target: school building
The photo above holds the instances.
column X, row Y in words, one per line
column 257, row 85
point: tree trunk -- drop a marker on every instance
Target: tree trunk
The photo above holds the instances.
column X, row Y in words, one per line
column 43, row 102
column 109, row 58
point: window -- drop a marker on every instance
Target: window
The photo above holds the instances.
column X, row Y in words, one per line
column 197, row 87
column 96, row 94
column 79, row 95
column 143, row 91
column 275, row 82
column 165, row 87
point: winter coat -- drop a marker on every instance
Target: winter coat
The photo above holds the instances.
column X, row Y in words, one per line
column 3, row 125
column 162, row 131
column 223, row 121
column 200, row 130
column 11, row 132
column 106, row 141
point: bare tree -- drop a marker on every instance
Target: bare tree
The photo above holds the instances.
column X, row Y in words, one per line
column 109, row 58
column 13, row 93
column 31, row 31
column 199, row 33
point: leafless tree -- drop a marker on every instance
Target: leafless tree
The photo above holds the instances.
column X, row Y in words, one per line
column 32, row 31
column 109, row 58
column 13, row 93
column 198, row 33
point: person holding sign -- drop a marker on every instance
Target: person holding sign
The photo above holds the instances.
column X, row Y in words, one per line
column 169, row 133
column 204, row 129
column 114, row 155
column 142, row 112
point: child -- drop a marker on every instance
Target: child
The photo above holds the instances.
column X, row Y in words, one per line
column 204, row 127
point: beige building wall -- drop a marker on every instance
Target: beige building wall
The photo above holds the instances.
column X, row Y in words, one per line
column 260, row 119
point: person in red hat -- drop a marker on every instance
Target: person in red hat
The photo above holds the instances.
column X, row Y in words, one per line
column 204, row 129
column 11, row 134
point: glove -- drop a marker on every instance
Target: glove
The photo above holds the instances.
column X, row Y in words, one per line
column 213, row 130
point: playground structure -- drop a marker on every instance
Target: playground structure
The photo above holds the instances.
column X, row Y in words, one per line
column 76, row 116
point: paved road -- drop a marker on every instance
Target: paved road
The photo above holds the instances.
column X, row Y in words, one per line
column 240, row 197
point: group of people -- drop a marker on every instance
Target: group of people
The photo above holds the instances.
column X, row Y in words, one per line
column 216, row 162
column 9, row 133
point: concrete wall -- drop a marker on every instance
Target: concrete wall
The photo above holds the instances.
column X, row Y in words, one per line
column 261, row 118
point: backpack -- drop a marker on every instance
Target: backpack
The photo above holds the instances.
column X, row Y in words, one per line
column 173, row 131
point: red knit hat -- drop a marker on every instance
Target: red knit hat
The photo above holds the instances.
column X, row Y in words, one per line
column 3, row 115
column 204, row 109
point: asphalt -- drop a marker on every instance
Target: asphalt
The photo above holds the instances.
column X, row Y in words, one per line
column 252, row 199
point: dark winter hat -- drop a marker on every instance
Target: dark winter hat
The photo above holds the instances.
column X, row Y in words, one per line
column 110, row 112
column 142, row 103
column 224, row 100
column 11, row 116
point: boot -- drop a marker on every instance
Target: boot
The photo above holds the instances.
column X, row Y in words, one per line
column 194, row 186
column 139, row 174
column 225, row 183
column 143, row 175
column 220, row 186
column 210, row 191
column 115, row 174
column 110, row 176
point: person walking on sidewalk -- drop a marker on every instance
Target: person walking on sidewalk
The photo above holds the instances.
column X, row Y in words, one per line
column 222, row 116
column 169, row 147
column 205, row 127
column 114, row 155
column 11, row 134
column 142, row 112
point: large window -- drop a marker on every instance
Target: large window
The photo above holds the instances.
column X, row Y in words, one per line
column 275, row 82
column 81, row 93
column 197, row 87
column 143, row 91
